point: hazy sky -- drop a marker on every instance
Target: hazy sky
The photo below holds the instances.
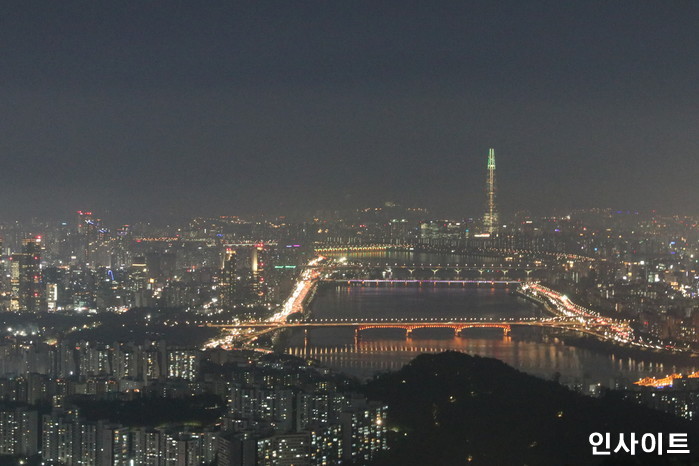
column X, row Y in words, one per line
column 224, row 108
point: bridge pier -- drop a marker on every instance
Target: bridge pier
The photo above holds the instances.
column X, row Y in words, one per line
column 306, row 338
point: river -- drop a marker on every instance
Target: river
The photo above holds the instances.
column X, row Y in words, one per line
column 537, row 351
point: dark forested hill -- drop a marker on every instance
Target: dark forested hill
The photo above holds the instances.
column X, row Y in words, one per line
column 452, row 408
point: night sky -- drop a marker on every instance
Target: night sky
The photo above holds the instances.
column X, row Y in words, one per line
column 159, row 109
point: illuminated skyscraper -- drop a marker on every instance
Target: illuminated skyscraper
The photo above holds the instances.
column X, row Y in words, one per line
column 258, row 287
column 257, row 267
column 90, row 234
column 27, row 292
column 120, row 249
column 227, row 288
column 139, row 282
column 490, row 219
column 51, row 297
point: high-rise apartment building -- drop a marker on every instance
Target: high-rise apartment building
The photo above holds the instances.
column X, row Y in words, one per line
column 227, row 280
column 27, row 289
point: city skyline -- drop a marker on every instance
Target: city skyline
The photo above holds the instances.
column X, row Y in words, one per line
column 145, row 111
column 273, row 232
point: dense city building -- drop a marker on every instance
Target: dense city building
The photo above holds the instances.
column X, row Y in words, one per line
column 26, row 279
column 227, row 281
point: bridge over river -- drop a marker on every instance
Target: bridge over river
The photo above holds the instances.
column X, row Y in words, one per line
column 409, row 325
column 393, row 281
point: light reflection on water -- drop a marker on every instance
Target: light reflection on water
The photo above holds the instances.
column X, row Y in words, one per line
column 542, row 358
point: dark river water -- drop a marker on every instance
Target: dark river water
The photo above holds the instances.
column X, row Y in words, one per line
column 534, row 350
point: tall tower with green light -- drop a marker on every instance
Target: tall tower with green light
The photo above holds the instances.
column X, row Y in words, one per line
column 490, row 219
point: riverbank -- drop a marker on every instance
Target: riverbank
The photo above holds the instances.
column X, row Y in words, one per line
column 599, row 345
column 635, row 352
column 540, row 302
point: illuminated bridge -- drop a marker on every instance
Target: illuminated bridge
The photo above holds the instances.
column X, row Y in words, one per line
column 392, row 281
column 473, row 251
column 452, row 267
column 409, row 325
column 457, row 327
column 469, row 271
column 360, row 248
